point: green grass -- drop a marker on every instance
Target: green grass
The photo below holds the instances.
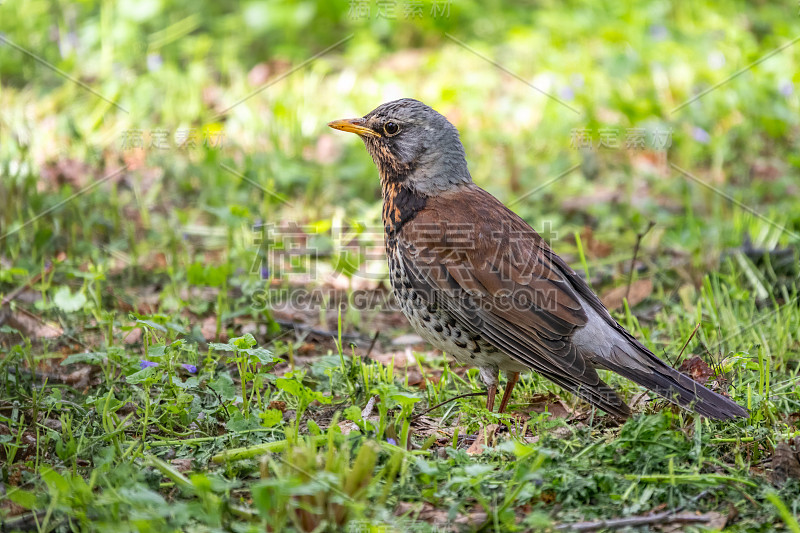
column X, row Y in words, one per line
column 162, row 263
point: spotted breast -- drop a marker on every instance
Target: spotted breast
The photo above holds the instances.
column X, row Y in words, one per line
column 424, row 307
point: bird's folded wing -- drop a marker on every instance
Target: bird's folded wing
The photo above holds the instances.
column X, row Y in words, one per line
column 488, row 267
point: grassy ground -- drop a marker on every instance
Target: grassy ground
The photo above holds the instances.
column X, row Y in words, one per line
column 195, row 323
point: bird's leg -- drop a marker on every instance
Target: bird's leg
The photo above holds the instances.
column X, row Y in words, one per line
column 489, row 375
column 490, row 396
column 513, row 377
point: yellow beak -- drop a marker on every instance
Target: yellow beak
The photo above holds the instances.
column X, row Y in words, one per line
column 353, row 125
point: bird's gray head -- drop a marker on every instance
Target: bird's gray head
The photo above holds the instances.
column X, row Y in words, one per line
column 411, row 144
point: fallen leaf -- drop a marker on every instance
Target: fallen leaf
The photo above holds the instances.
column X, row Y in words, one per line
column 785, row 464
column 66, row 171
column 209, row 330
column 697, row 369
column 279, row 405
column 549, row 403
column 79, row 379
column 595, row 247
column 182, row 465
column 33, row 326
column 440, row 519
column 640, row 289
column 485, row 439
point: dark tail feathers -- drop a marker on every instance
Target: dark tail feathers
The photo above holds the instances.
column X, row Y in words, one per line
column 679, row 388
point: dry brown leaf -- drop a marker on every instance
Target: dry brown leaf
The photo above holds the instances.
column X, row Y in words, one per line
column 640, row 289
column 439, row 519
column 485, row 438
column 785, row 464
column 79, row 378
column 595, row 248
column 551, row 404
column 398, row 359
column 209, row 330
column 279, row 405
column 182, row 465
column 66, row 171
column 31, row 325
column 697, row 369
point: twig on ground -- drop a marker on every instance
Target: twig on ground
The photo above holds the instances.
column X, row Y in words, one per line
column 318, row 332
column 667, row 517
column 677, row 360
column 35, row 279
column 639, row 237
column 425, row 412
column 372, row 344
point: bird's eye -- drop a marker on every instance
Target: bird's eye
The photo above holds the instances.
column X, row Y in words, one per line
column 391, row 128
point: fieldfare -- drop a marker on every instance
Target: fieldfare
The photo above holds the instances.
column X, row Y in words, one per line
column 477, row 282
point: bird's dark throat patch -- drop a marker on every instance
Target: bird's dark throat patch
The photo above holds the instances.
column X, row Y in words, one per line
column 389, row 165
column 400, row 205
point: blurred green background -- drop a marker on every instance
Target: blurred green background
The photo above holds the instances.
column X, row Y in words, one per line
column 251, row 74
column 142, row 142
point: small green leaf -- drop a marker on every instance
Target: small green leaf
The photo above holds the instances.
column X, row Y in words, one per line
column 188, row 384
column 239, row 423
column 156, row 351
column 244, row 342
column 23, row 498
column 142, row 375
column 271, row 417
column 260, row 354
column 291, row 386
column 477, row 470
column 88, row 357
column 223, row 385
column 68, row 302
column 313, row 427
column 152, row 325
column 353, row 413
column 220, row 347
column 405, row 399
column 55, row 480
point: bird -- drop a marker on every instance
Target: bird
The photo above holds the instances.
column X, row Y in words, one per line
column 478, row 283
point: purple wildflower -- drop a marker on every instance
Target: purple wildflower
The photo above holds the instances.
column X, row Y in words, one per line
column 154, row 62
column 700, row 135
column 716, row 59
column 786, row 88
column 264, row 272
column 391, row 441
column 144, row 363
column 189, row 368
column 658, row 32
